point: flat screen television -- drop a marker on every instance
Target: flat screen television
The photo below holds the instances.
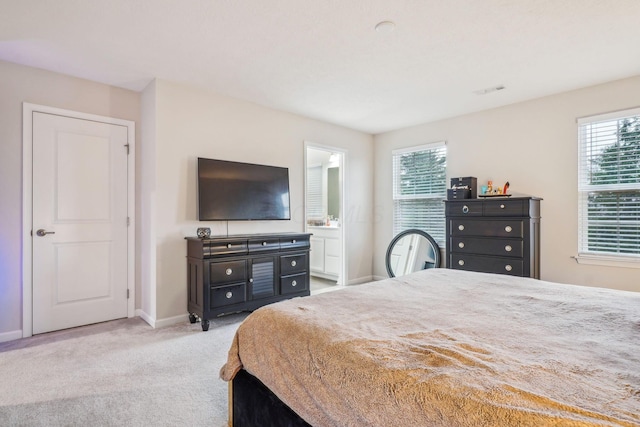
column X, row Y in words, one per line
column 234, row 191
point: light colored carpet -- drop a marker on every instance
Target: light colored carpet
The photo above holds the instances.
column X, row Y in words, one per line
column 120, row 373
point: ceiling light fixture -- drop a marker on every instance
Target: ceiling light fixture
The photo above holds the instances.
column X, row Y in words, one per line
column 489, row 90
column 385, row 27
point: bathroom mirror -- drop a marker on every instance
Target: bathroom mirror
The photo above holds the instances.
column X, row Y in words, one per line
column 410, row 251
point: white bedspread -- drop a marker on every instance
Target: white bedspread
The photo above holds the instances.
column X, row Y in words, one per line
column 450, row 348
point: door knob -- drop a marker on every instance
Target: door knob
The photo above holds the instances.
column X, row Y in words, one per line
column 42, row 232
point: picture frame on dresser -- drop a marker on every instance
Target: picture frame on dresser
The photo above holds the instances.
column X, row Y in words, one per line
column 494, row 235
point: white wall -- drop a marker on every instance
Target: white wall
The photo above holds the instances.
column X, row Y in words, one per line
column 533, row 145
column 20, row 84
column 189, row 124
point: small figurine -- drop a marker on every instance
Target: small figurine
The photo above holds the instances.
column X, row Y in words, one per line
column 505, row 188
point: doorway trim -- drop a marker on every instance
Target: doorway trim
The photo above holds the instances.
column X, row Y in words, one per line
column 27, row 204
column 343, row 208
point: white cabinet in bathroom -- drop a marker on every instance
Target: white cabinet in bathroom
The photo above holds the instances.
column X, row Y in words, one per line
column 326, row 252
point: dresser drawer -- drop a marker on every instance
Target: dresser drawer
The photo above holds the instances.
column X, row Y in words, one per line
column 295, row 242
column 294, row 283
column 227, row 272
column 291, row 264
column 263, row 245
column 464, row 208
column 483, row 246
column 227, row 295
column 487, row 264
column 505, row 207
column 223, row 247
column 488, row 228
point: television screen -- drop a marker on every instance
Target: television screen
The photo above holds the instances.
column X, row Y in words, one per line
column 233, row 191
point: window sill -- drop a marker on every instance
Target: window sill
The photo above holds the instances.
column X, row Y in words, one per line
column 608, row 261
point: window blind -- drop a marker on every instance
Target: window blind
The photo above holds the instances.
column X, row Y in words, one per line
column 609, row 184
column 419, row 187
column 314, row 192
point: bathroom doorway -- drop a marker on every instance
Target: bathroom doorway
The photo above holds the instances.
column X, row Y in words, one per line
column 324, row 214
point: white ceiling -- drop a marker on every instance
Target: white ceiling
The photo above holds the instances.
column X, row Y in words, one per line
column 323, row 58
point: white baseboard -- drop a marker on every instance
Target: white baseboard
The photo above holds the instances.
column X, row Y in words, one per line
column 10, row 336
column 144, row 316
column 160, row 323
column 380, row 277
column 171, row 320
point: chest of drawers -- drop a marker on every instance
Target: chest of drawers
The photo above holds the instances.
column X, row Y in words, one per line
column 244, row 272
column 494, row 235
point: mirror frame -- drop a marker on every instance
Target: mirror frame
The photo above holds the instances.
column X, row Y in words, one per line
column 406, row 233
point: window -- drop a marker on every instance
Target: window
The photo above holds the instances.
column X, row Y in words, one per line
column 419, row 187
column 609, row 185
column 314, row 193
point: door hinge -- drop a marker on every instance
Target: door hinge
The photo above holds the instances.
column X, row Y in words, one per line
column 127, row 293
column 127, row 145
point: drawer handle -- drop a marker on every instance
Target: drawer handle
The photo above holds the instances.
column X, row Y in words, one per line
column 508, row 229
column 229, row 294
column 264, row 243
column 461, row 245
column 465, row 209
column 294, row 283
column 228, row 245
column 461, row 262
column 508, row 248
column 293, row 263
column 293, row 241
column 229, row 271
column 251, row 280
column 508, row 267
column 461, row 227
column 501, row 206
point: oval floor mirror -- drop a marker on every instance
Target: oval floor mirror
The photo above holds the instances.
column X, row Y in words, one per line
column 410, row 251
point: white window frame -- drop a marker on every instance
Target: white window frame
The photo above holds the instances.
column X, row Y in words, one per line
column 585, row 256
column 439, row 197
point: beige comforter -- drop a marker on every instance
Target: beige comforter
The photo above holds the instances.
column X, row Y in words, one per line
column 450, row 348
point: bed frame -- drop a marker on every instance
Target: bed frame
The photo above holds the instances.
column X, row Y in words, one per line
column 252, row 404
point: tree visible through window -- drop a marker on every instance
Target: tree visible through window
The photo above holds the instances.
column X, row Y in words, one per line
column 609, row 184
column 419, row 187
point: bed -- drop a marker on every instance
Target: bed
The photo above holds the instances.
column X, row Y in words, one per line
column 441, row 348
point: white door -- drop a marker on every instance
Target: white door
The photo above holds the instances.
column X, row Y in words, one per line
column 79, row 222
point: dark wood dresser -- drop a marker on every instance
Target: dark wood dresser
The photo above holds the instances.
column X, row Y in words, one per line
column 494, row 235
column 244, row 272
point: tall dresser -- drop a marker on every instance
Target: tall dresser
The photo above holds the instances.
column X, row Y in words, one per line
column 494, row 235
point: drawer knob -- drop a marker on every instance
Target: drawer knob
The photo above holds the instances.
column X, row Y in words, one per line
column 228, row 271
column 461, row 262
column 294, row 283
column 251, row 280
column 293, row 241
column 461, row 245
column 465, row 209
column 502, row 206
column 228, row 245
column 508, row 267
column 229, row 294
column 264, row 243
column 508, row 248
column 293, row 263
column 461, row 227
column 508, row 229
